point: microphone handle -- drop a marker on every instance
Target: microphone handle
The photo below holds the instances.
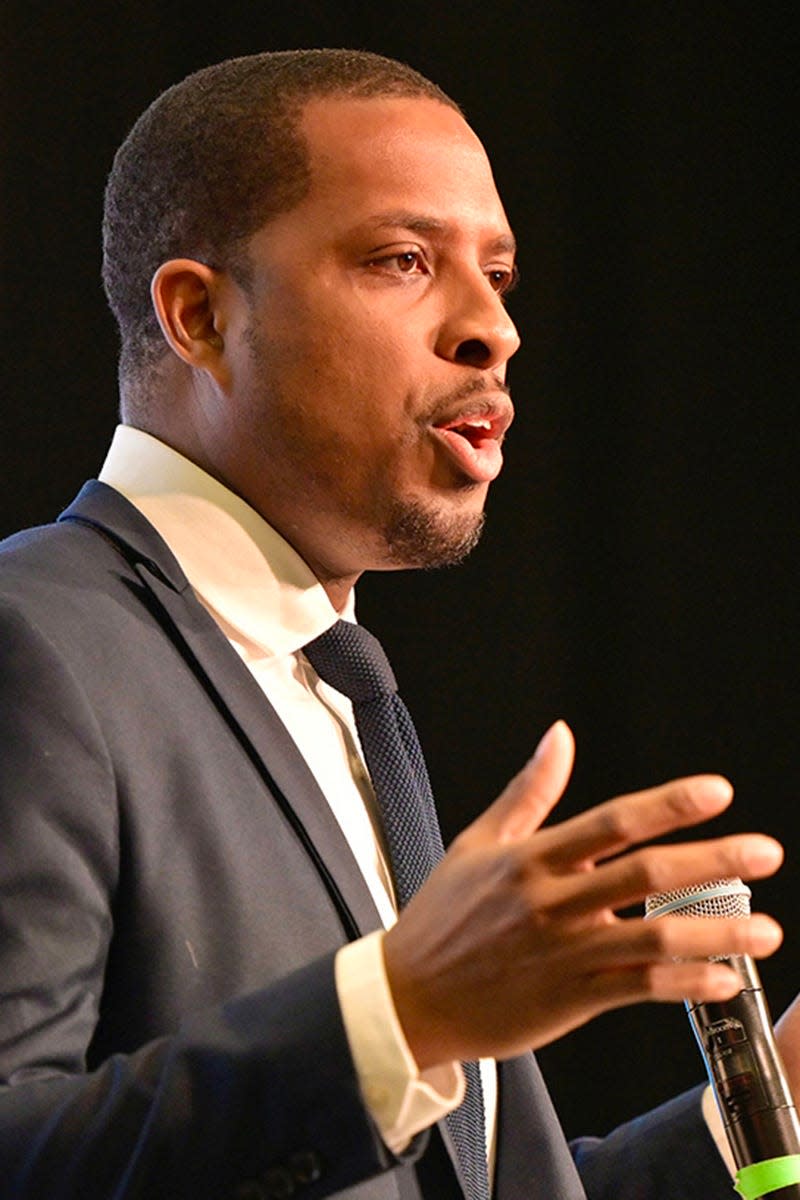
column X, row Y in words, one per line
column 744, row 1066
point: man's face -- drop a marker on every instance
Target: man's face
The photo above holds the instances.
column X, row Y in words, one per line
column 367, row 393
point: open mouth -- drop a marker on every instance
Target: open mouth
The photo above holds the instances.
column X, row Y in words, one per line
column 472, row 440
column 475, row 429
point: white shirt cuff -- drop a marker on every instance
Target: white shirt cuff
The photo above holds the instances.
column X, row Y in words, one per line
column 400, row 1098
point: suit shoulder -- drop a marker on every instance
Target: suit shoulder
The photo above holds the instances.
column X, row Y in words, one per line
column 71, row 579
column 53, row 555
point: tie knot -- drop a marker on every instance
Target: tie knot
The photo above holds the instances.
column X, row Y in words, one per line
column 350, row 659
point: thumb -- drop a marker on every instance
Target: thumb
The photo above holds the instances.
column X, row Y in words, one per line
column 531, row 795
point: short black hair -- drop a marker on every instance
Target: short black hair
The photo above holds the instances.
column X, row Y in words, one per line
column 210, row 162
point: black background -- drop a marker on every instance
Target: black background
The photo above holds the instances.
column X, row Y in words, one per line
column 638, row 575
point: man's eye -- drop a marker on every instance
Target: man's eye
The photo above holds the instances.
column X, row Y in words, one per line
column 403, row 262
column 408, row 260
column 503, row 279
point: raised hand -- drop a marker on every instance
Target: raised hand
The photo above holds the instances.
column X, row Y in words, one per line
column 515, row 938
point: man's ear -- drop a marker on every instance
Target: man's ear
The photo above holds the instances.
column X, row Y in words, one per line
column 186, row 297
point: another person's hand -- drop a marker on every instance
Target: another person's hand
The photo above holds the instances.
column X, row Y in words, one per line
column 787, row 1035
column 515, row 938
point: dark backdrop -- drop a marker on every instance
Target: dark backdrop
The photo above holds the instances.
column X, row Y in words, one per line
column 638, row 573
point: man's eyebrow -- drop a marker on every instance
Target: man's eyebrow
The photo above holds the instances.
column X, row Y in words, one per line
column 504, row 243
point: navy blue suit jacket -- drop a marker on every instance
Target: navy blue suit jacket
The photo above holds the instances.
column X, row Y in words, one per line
column 173, row 891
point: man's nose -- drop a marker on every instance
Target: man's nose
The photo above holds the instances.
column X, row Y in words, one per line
column 477, row 330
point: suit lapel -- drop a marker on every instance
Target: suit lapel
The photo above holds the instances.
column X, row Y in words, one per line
column 531, row 1147
column 263, row 736
column 533, row 1157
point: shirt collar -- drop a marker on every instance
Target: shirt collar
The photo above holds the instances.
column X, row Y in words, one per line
column 253, row 581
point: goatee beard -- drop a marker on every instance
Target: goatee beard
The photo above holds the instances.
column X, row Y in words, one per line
column 417, row 537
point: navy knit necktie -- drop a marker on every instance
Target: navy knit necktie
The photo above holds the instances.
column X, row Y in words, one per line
column 353, row 662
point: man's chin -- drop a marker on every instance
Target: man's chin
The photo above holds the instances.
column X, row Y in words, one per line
column 419, row 537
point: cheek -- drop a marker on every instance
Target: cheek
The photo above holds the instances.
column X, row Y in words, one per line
column 340, row 363
column 364, row 385
column 362, row 348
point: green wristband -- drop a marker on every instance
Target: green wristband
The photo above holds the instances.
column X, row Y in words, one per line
column 761, row 1178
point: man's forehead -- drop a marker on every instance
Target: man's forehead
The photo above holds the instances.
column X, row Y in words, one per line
column 400, row 160
column 338, row 128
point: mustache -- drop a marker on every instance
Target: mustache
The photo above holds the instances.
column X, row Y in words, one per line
column 476, row 397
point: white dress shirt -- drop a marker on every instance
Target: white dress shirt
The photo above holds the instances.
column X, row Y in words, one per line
column 269, row 604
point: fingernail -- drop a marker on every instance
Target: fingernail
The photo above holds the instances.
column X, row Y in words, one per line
column 546, row 740
column 767, row 934
column 764, row 854
column 720, row 788
column 722, row 984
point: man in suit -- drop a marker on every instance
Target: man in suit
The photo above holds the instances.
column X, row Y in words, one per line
column 307, row 258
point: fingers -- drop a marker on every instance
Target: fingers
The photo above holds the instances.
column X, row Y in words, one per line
column 706, row 982
column 672, row 938
column 630, row 878
column 668, row 959
column 628, row 820
column 532, row 794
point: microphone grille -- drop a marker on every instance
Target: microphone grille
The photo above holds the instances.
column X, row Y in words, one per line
column 716, row 898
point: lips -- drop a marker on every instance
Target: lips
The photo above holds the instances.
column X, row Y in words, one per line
column 472, row 437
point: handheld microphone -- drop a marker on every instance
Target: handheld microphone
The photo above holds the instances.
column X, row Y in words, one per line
column 744, row 1067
